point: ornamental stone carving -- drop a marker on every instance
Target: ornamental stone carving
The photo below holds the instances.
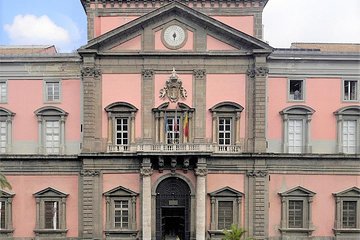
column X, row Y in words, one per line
column 90, row 72
column 146, row 171
column 89, row 173
column 199, row 73
column 173, row 89
column 257, row 173
column 147, row 74
column 259, row 71
column 201, row 172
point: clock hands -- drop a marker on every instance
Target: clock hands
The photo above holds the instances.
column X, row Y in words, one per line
column 174, row 35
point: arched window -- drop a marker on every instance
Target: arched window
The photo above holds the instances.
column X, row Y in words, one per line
column 51, row 130
column 226, row 124
column 6, row 118
column 296, row 129
column 173, row 125
column 348, row 129
column 121, row 125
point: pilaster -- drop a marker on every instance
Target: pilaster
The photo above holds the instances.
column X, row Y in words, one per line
column 146, row 172
column 147, row 104
column 199, row 96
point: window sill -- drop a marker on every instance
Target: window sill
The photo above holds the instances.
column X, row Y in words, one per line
column 51, row 232
column 122, row 233
column 346, row 230
column 297, row 231
column 6, row 231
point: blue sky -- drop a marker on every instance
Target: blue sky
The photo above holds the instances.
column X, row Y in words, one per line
column 63, row 22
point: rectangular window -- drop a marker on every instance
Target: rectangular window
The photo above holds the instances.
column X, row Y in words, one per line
column 350, row 90
column 51, row 214
column 121, row 214
column 52, row 137
column 349, row 214
column 225, row 214
column 295, row 136
column 3, row 92
column 349, row 136
column 2, row 215
column 52, row 91
column 173, row 130
column 295, row 214
column 3, row 136
column 296, row 91
column 224, row 131
column 122, row 131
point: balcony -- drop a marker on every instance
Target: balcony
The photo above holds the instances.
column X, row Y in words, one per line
column 177, row 148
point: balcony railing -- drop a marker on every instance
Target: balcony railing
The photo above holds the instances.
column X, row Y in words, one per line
column 209, row 148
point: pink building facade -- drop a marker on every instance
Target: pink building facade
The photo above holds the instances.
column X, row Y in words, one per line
column 176, row 121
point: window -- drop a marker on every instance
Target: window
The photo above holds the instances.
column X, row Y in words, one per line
column 225, row 210
column 51, row 128
column 347, row 218
column 173, row 126
column 296, row 89
column 226, row 126
column 296, row 212
column 3, row 92
column 121, row 126
column 348, row 129
column 52, row 91
column 296, row 129
column 6, row 117
column 120, row 213
column 50, row 213
column 350, row 90
column 6, row 226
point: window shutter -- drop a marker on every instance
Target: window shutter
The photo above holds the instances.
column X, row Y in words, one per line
column 225, row 214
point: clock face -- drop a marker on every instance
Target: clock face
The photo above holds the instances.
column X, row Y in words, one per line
column 174, row 36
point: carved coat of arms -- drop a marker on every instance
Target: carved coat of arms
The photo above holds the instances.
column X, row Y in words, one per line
column 173, row 89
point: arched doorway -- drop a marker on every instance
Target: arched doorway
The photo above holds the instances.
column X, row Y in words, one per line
column 173, row 209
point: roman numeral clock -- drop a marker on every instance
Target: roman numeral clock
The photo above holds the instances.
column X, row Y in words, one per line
column 174, row 36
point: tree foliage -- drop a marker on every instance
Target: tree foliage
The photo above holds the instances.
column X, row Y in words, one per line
column 234, row 233
column 4, row 182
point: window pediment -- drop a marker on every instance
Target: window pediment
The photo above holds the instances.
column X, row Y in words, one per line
column 351, row 192
column 297, row 110
column 49, row 193
column 226, row 192
column 180, row 107
column 225, row 107
column 5, row 194
column 120, row 107
column 120, row 192
column 5, row 112
column 297, row 192
column 349, row 110
column 50, row 111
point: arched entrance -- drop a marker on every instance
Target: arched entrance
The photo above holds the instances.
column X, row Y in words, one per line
column 173, row 209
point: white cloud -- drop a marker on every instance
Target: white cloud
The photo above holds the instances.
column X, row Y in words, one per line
column 30, row 29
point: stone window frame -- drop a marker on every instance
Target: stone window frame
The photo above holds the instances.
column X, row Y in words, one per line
column 226, row 109
column 345, row 114
column 162, row 112
column 120, row 110
column 7, row 198
column 351, row 194
column 50, row 194
column 120, row 193
column 357, row 90
column 303, row 90
column 46, row 93
column 4, row 99
column 227, row 194
column 297, row 112
column 297, row 194
column 50, row 113
column 7, row 117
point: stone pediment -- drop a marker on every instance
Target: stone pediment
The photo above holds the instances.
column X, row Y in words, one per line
column 351, row 192
column 173, row 12
column 5, row 194
column 120, row 192
column 226, row 192
column 49, row 193
column 297, row 192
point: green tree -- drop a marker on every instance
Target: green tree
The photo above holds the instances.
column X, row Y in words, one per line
column 234, row 233
column 4, row 182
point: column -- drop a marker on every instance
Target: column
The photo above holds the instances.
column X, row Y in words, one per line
column 201, row 172
column 110, row 129
column 146, row 172
column 40, row 134
column 132, row 123
column 237, row 123
column 62, row 135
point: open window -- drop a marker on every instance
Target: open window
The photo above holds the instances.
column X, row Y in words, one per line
column 296, row 89
column 121, row 126
column 120, row 213
column 225, row 210
column 296, row 129
column 6, row 225
column 50, row 213
column 3, row 91
column 6, row 118
column 51, row 129
column 296, row 212
column 351, row 90
column 347, row 218
column 348, row 129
